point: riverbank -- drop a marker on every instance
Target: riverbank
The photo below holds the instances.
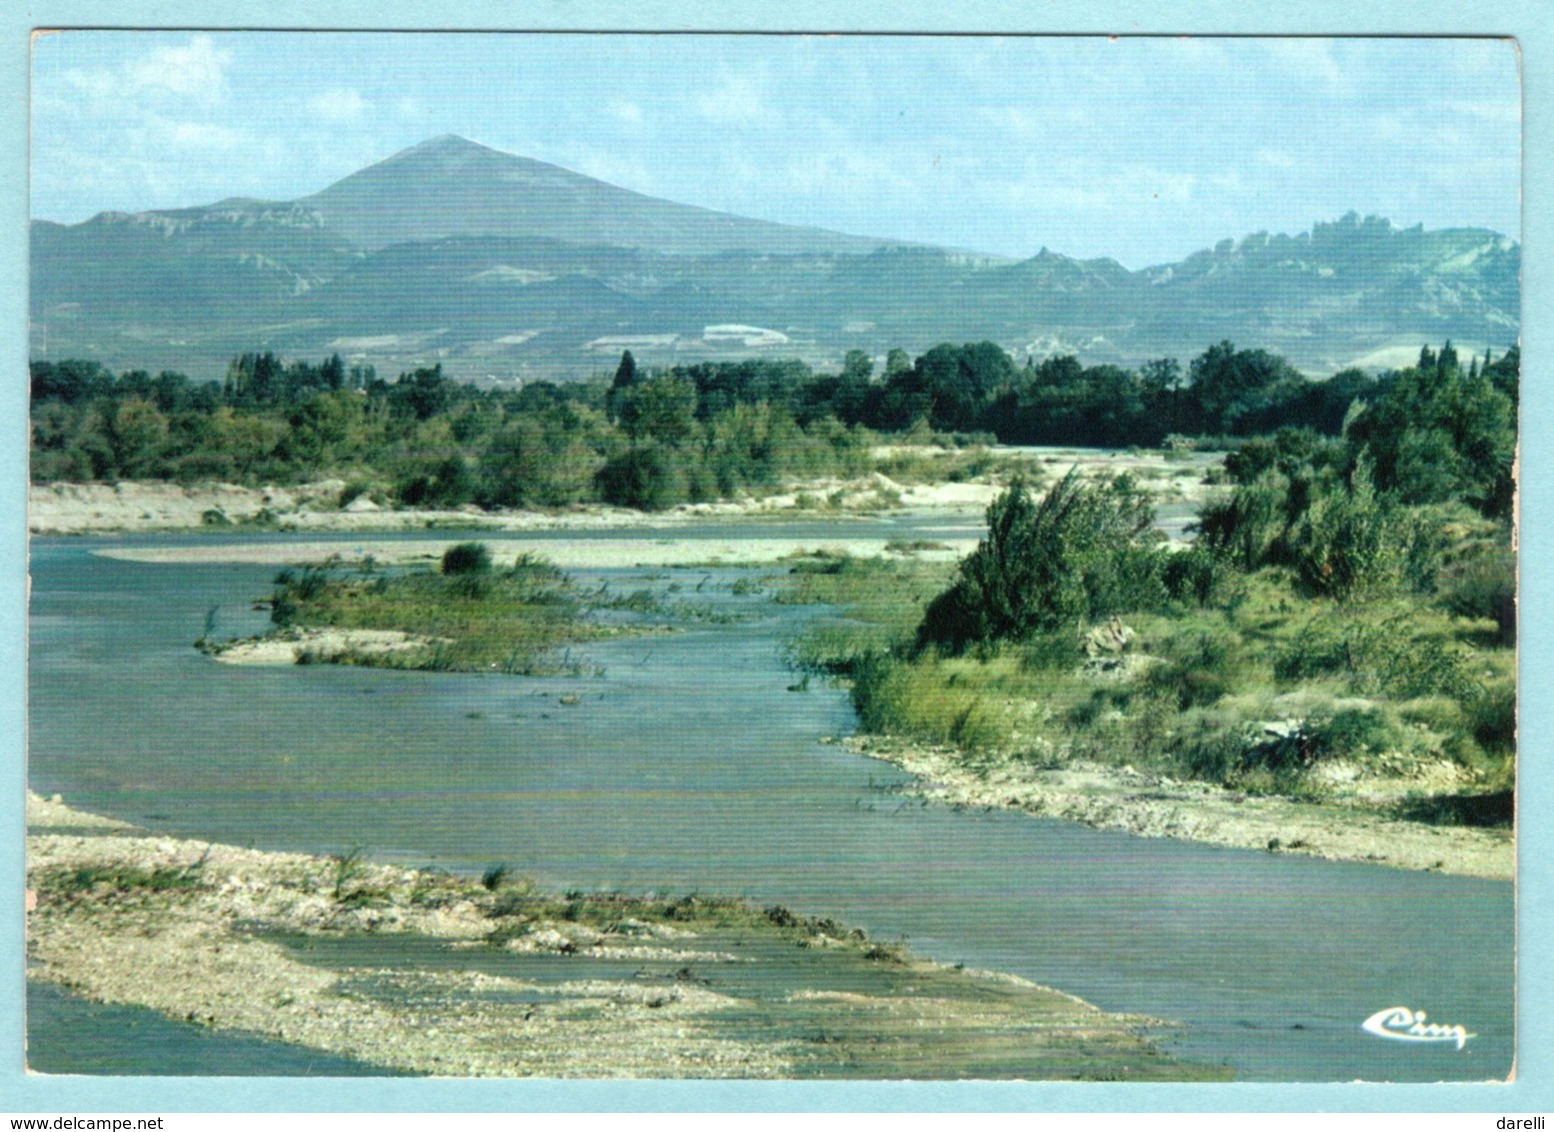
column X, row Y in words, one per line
column 327, row 506
column 1347, row 827
column 97, row 508
column 565, row 553
column 419, row 971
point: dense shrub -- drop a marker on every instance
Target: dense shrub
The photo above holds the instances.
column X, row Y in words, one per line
column 896, row 696
column 1378, row 652
column 1085, row 550
column 1483, row 587
column 1492, row 715
column 1196, row 668
column 1350, row 732
column 650, row 479
column 467, row 558
column 1194, row 576
column 445, row 483
column 1351, row 543
column 1245, row 529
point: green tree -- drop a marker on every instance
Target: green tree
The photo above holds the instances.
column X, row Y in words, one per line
column 626, row 372
column 649, row 478
column 137, row 432
column 1228, row 384
column 661, row 409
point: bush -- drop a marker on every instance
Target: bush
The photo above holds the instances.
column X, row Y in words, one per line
column 827, row 562
column 1210, row 744
column 1483, row 588
column 1194, row 576
column 1196, row 668
column 467, row 558
column 1495, row 809
column 1351, row 543
column 1492, row 716
column 448, row 483
column 648, row 479
column 1085, row 550
column 1378, row 653
column 351, row 492
column 1248, row 528
column 1052, row 652
column 1350, row 732
column 893, row 696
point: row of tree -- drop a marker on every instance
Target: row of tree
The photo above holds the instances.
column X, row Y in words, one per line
column 978, row 387
column 655, row 438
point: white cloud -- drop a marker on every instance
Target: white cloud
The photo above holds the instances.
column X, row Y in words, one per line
column 1478, row 58
column 1086, row 185
column 196, row 70
column 1200, row 52
column 844, row 174
column 1018, row 123
column 193, row 74
column 94, row 84
column 339, row 105
column 1275, row 158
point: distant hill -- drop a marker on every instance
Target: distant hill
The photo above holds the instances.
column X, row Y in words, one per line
column 499, row 266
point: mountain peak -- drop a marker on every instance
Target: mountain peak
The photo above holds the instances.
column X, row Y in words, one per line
column 441, row 145
column 451, row 186
column 444, row 141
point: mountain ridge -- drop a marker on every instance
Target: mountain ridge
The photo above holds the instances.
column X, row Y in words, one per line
column 514, row 268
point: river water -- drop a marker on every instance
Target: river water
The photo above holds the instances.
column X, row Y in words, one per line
column 689, row 765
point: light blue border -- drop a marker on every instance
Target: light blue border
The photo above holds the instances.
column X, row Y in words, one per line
column 1531, row 21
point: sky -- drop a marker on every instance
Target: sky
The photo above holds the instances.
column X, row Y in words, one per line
column 1141, row 149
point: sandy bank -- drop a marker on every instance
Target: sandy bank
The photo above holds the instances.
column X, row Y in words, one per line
column 317, row 646
column 514, row 983
column 1151, row 805
column 86, row 508
column 569, row 554
column 90, row 508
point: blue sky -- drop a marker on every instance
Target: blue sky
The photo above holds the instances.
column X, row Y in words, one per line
column 1142, row 149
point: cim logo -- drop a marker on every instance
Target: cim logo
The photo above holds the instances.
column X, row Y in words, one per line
column 1404, row 1025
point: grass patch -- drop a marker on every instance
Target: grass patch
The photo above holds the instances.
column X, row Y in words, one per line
column 513, row 621
column 119, row 879
column 964, row 465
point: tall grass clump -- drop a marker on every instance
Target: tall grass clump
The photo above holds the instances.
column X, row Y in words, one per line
column 924, row 702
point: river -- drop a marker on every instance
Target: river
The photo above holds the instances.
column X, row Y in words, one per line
column 688, row 765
